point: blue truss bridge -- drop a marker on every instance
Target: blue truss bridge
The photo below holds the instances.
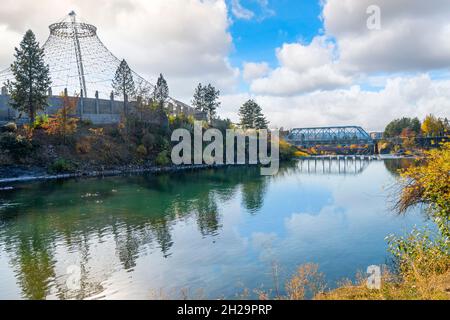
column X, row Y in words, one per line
column 329, row 136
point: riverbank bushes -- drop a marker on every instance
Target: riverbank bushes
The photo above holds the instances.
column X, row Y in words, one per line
column 287, row 151
column 14, row 146
column 422, row 273
column 429, row 184
column 134, row 141
column 422, row 258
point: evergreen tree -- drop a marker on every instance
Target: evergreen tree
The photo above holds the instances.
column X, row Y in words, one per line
column 31, row 78
column 251, row 116
column 211, row 101
column 260, row 121
column 246, row 114
column 206, row 99
column 396, row 127
column 161, row 92
column 198, row 100
column 123, row 83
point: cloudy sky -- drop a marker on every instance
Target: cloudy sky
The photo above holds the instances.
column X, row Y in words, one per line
column 307, row 62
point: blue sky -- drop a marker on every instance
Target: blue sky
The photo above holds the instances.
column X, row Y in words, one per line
column 330, row 67
column 328, row 62
column 282, row 21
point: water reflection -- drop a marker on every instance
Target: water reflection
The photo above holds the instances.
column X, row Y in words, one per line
column 136, row 211
column 116, row 229
column 327, row 166
column 395, row 166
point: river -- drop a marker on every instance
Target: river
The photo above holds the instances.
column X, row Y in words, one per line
column 204, row 234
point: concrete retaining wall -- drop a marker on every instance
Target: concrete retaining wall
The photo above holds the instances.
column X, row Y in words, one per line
column 99, row 111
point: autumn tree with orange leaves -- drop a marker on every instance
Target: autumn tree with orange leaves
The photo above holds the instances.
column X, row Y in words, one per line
column 63, row 123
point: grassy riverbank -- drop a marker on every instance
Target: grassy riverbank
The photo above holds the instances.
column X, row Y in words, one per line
column 433, row 287
column 84, row 149
column 422, row 258
column 420, row 268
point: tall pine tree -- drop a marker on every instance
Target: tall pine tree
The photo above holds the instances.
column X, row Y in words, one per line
column 123, row 83
column 206, row 99
column 246, row 115
column 161, row 92
column 31, row 78
column 251, row 116
column 211, row 102
column 198, row 100
column 260, row 121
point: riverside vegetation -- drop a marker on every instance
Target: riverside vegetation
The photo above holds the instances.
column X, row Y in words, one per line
column 421, row 259
column 63, row 143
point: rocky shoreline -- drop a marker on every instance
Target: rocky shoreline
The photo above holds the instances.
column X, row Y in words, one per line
column 18, row 173
column 14, row 174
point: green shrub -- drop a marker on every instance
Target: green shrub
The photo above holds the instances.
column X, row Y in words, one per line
column 17, row 145
column 41, row 121
column 61, row 166
column 162, row 143
column 420, row 254
column 141, row 151
column 149, row 141
column 162, row 159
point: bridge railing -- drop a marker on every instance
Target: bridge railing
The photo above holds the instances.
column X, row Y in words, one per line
column 329, row 136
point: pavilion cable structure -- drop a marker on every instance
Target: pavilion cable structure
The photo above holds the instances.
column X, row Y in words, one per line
column 80, row 62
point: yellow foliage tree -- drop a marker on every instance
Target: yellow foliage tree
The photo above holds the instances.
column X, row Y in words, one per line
column 430, row 184
column 432, row 126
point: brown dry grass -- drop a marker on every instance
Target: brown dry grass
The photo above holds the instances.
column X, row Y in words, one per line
column 435, row 287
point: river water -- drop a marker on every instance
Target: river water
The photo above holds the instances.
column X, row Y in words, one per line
column 206, row 234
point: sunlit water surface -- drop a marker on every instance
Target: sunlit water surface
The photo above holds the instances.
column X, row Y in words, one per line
column 206, row 234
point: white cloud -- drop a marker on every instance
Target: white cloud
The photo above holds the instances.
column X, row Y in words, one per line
column 323, row 82
column 265, row 9
column 305, row 227
column 285, row 82
column 261, row 13
column 187, row 40
column 413, row 36
column 303, row 68
column 240, row 12
column 300, row 58
column 314, row 84
column 6, row 54
column 253, row 70
column 414, row 96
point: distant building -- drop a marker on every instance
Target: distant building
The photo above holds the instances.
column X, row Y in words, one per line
column 377, row 135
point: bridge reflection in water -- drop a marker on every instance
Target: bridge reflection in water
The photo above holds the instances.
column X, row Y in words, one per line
column 143, row 236
column 335, row 165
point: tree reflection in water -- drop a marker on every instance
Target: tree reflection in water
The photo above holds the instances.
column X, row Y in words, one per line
column 395, row 166
column 136, row 211
column 48, row 226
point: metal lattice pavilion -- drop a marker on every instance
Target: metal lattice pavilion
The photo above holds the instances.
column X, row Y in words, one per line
column 80, row 62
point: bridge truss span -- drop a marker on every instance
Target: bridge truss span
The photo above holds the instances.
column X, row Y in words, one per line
column 344, row 135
